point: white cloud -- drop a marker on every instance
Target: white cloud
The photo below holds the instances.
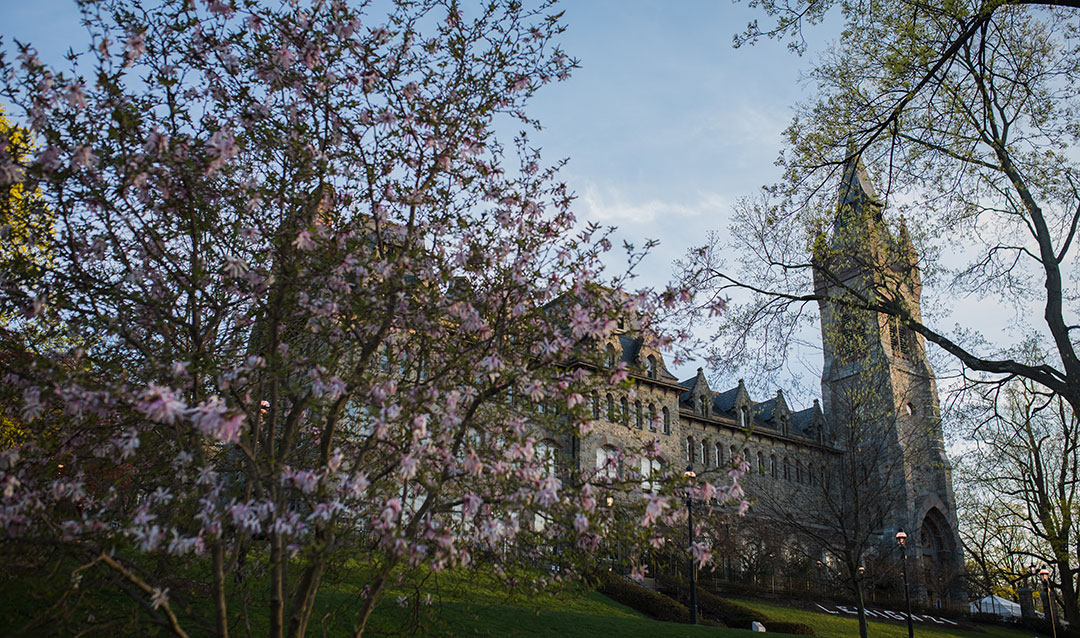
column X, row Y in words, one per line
column 610, row 206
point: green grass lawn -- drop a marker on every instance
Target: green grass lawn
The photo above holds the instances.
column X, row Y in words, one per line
column 464, row 604
column 831, row 626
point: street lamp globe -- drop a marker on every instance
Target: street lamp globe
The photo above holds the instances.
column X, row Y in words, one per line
column 901, row 538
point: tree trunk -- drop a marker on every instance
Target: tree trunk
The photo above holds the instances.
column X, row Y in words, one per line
column 277, row 596
column 369, row 602
column 219, row 589
column 860, row 605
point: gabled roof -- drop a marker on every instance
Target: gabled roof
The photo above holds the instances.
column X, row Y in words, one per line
column 807, row 422
column 725, row 401
column 764, row 411
column 630, row 349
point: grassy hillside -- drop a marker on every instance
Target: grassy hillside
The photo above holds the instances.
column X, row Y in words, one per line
column 831, row 626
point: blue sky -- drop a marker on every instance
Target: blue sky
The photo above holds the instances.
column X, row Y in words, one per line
column 665, row 123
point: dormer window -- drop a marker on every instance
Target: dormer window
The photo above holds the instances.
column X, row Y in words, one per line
column 743, row 420
column 651, row 367
column 609, row 356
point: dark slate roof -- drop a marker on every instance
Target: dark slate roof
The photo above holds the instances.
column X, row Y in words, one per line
column 763, row 412
column 725, row 401
column 802, row 420
column 630, row 347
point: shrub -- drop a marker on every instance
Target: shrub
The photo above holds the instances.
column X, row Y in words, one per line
column 648, row 602
column 730, row 613
column 796, row 628
column 712, row 606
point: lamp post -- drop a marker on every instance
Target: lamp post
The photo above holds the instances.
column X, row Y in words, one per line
column 689, row 473
column 901, row 540
column 1045, row 573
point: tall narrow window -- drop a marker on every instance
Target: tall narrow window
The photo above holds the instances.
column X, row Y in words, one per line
column 787, row 469
column 689, row 449
column 651, row 368
column 639, row 416
column 625, row 405
column 653, row 417
column 610, row 408
column 761, row 463
column 546, row 452
column 704, row 452
column 718, row 455
column 772, row 465
column 606, row 460
column 595, row 404
column 667, row 420
column 798, row 472
column 609, row 356
column 650, row 474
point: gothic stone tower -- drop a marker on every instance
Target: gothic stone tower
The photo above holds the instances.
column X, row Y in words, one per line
column 878, row 389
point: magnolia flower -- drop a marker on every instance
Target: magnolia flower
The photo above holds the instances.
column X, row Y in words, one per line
column 159, row 597
column 304, row 241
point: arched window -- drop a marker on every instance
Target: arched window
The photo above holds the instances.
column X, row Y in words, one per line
column 798, row 472
column 595, row 404
column 810, row 474
column 744, row 421
column 772, row 465
column 667, row 420
column 718, row 454
column 689, row 449
column 704, row 452
column 625, row 405
column 652, row 418
column 609, row 356
column 606, row 459
column 761, row 463
column 610, row 408
column 651, row 367
column 639, row 416
column 787, row 469
column 732, row 454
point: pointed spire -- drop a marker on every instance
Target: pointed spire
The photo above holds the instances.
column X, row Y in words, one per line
column 856, row 189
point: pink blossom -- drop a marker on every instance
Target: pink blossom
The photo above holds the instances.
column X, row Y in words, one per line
column 159, row 597
column 304, row 241
column 161, row 404
column 284, row 58
column 391, row 512
column 549, row 491
column 581, row 523
column 654, row 510
column 470, row 505
column 83, row 156
column 75, row 96
column 702, row 553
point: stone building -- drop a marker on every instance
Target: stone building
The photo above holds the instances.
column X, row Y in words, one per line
column 877, row 387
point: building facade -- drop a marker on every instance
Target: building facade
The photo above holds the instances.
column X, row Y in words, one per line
column 879, row 400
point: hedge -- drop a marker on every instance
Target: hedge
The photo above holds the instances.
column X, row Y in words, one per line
column 648, row 602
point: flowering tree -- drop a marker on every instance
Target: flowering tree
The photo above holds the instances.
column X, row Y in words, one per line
column 297, row 308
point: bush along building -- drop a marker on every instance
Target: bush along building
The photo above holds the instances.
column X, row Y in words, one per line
column 835, row 481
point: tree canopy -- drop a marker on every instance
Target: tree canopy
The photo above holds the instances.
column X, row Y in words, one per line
column 302, row 308
column 964, row 117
